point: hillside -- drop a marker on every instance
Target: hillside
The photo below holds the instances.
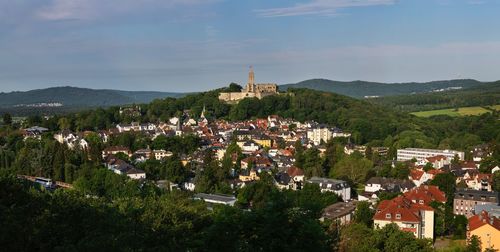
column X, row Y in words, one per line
column 486, row 94
column 360, row 89
column 72, row 97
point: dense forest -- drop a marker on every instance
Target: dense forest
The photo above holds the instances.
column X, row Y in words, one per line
column 143, row 218
column 481, row 95
column 360, row 89
column 72, row 99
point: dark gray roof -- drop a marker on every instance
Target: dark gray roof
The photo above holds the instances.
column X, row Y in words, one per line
column 476, row 195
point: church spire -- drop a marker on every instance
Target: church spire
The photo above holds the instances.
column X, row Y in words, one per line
column 202, row 116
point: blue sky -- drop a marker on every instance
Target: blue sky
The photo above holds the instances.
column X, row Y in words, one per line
column 193, row 45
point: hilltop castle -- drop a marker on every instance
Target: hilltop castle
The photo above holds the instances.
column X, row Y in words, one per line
column 252, row 90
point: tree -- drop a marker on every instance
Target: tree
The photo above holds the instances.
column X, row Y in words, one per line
column 364, row 213
column 64, row 123
column 428, row 166
column 474, row 244
column 233, row 87
column 446, row 183
column 353, row 168
column 312, row 163
column 175, row 172
column 496, row 181
column 7, row 119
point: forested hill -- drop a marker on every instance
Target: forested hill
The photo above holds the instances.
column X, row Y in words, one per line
column 486, row 94
column 360, row 89
column 78, row 97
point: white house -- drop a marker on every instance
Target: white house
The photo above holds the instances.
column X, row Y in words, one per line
column 338, row 187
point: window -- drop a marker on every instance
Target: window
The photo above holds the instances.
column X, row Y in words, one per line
column 420, row 202
column 398, row 216
column 388, row 216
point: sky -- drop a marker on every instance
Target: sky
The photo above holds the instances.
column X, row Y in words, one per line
column 196, row 45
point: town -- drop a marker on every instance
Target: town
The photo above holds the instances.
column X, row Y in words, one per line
column 271, row 147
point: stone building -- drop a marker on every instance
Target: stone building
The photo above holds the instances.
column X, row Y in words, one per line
column 251, row 90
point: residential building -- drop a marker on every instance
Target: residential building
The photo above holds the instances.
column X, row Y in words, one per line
column 323, row 133
column 411, row 211
column 466, row 200
column 341, row 213
column 487, row 228
column 376, row 184
column 415, row 218
column 247, row 175
column 113, row 150
column 421, row 154
column 161, row 154
column 339, row 187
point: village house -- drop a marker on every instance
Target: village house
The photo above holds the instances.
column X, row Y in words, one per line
column 121, row 167
column 487, row 228
column 248, row 175
column 322, row 133
column 113, row 150
column 292, row 179
column 411, row 211
column 339, row 187
column 375, row 185
column 341, row 213
column 162, row 154
column 438, row 162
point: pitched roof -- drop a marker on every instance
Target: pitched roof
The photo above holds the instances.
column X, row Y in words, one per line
column 427, row 193
column 416, row 174
column 294, row 171
column 435, row 158
column 482, row 219
column 398, row 209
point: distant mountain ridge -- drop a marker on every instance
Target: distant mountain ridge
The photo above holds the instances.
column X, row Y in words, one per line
column 79, row 97
column 361, row 89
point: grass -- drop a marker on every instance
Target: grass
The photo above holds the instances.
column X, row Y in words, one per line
column 494, row 107
column 448, row 245
column 464, row 111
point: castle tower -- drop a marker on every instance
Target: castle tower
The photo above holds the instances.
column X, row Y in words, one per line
column 251, row 81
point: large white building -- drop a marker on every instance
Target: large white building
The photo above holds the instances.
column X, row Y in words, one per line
column 324, row 133
column 422, row 154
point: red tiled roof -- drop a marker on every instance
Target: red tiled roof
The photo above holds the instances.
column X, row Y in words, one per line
column 468, row 164
column 413, row 230
column 407, row 207
column 388, row 210
column 294, row 171
column 434, row 172
column 482, row 219
column 416, row 174
column 435, row 158
column 427, row 193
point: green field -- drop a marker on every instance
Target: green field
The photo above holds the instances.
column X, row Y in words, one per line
column 464, row 111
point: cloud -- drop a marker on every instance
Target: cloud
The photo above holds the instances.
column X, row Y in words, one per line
column 320, row 7
column 57, row 10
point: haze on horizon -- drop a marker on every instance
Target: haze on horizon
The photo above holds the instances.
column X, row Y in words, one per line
column 194, row 45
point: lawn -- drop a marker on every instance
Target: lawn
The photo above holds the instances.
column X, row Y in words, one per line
column 464, row 111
